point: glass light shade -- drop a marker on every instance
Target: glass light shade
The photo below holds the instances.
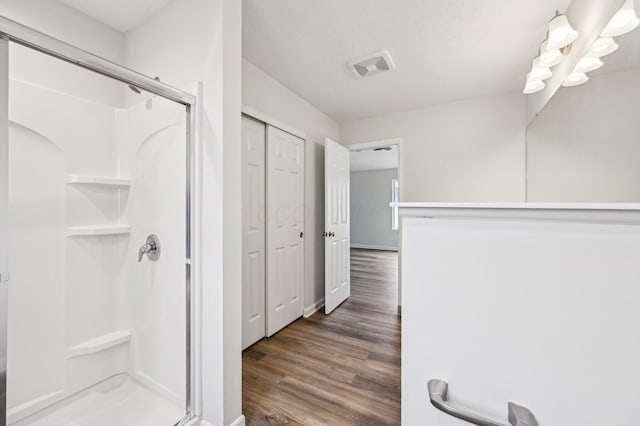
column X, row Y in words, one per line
column 538, row 72
column 533, row 87
column 549, row 57
column 622, row 22
column 602, row 47
column 575, row 79
column 587, row 65
column 561, row 33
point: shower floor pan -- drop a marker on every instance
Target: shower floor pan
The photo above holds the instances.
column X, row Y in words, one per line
column 118, row 400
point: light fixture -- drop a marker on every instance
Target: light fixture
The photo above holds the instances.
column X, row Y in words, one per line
column 588, row 65
column 561, row 33
column 602, row 47
column 538, row 72
column 551, row 52
column 622, row 22
column 533, row 87
column 549, row 57
column 575, row 79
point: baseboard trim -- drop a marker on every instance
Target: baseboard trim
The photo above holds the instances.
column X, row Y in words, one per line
column 374, row 247
column 313, row 308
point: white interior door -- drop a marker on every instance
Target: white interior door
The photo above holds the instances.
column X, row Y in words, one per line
column 337, row 270
column 253, row 232
column 285, row 226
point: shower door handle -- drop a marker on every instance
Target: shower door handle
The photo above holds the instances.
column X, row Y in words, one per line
column 517, row 414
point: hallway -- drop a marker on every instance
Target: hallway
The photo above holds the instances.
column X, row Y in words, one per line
column 340, row 369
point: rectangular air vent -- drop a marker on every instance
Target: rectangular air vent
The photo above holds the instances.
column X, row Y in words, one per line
column 372, row 64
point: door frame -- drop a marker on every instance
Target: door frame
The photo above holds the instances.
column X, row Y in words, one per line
column 12, row 31
column 381, row 143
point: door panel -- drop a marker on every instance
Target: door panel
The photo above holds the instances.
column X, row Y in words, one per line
column 337, row 225
column 253, row 232
column 285, row 226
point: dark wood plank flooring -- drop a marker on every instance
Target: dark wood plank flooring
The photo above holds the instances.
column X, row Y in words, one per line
column 337, row 369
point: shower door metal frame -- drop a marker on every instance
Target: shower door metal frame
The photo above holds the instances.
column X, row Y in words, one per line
column 12, row 31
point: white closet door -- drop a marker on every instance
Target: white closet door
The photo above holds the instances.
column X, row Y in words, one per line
column 285, row 226
column 253, row 232
column 337, row 270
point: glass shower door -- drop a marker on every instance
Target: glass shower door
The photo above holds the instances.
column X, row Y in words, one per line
column 95, row 218
column 4, row 246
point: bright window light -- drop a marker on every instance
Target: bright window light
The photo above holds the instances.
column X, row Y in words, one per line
column 395, row 199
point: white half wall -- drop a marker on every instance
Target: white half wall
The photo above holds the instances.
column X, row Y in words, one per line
column 262, row 93
column 481, row 313
column 370, row 211
column 187, row 42
column 583, row 147
column 469, row 150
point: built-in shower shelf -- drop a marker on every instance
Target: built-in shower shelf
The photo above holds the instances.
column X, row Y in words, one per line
column 99, row 344
column 79, row 231
column 98, row 180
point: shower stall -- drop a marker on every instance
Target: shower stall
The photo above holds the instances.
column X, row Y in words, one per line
column 96, row 278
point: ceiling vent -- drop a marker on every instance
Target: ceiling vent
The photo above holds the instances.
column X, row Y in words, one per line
column 375, row 63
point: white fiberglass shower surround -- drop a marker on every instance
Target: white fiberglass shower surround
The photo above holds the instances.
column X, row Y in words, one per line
column 96, row 278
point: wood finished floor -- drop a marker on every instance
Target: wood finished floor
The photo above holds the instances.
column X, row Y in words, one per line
column 337, row 369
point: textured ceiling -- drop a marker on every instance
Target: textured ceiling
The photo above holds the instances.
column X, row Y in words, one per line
column 443, row 50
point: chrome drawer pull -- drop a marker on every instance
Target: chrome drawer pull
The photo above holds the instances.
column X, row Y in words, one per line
column 518, row 415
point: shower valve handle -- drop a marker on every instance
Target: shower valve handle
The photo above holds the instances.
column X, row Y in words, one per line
column 151, row 248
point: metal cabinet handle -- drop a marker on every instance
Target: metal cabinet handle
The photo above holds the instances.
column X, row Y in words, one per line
column 518, row 415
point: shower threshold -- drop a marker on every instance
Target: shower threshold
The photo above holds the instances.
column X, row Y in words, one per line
column 119, row 400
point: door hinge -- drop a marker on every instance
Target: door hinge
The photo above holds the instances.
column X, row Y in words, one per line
column 4, row 277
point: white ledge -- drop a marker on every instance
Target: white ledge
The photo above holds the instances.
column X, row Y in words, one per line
column 622, row 213
column 98, row 180
column 99, row 344
column 79, row 231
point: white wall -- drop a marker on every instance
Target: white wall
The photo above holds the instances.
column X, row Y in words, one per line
column 583, row 147
column 469, row 150
column 370, row 211
column 502, row 328
column 266, row 95
column 190, row 41
column 70, row 26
